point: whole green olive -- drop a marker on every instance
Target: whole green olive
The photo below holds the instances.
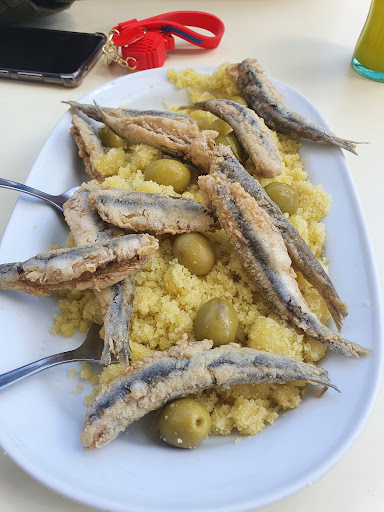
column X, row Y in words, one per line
column 168, row 172
column 239, row 99
column 284, row 196
column 216, row 320
column 195, row 252
column 233, row 143
column 184, row 423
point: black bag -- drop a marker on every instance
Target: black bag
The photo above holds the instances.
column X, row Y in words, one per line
column 16, row 11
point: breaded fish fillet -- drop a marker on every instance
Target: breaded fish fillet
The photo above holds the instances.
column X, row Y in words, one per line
column 173, row 134
column 155, row 213
column 303, row 259
column 117, row 300
column 250, row 129
column 185, row 368
column 263, row 253
column 85, row 223
column 269, row 104
column 89, row 144
column 93, row 112
column 95, row 266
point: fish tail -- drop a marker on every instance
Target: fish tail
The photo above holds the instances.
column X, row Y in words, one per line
column 337, row 308
column 99, row 114
column 348, row 145
column 71, row 103
column 105, row 358
column 358, row 348
column 347, row 348
column 88, row 110
column 191, row 108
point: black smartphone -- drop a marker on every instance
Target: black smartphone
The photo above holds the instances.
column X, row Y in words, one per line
column 51, row 56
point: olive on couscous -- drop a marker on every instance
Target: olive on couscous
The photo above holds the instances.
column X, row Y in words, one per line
column 168, row 172
column 184, row 423
column 284, row 195
column 195, row 252
column 216, row 320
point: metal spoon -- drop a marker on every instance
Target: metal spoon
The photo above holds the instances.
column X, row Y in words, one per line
column 89, row 351
column 56, row 201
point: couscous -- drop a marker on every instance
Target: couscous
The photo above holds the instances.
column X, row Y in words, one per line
column 168, row 295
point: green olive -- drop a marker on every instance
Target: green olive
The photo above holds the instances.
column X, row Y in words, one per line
column 221, row 126
column 239, row 99
column 184, row 423
column 168, row 172
column 233, row 143
column 284, row 196
column 203, row 123
column 110, row 139
column 191, row 168
column 216, row 320
column 195, row 252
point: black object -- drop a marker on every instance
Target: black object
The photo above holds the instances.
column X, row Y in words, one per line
column 51, row 56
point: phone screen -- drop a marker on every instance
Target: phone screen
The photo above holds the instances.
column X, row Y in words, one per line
column 43, row 51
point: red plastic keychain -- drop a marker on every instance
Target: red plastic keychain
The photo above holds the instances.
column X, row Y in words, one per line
column 143, row 44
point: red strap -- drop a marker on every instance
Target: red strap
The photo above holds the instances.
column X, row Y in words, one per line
column 174, row 23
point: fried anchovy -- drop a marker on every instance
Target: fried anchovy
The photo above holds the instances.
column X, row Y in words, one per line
column 157, row 213
column 117, row 300
column 94, row 266
column 250, row 129
column 117, row 305
column 85, row 223
column 89, row 145
column 301, row 255
column 268, row 103
column 174, row 134
column 264, row 255
column 93, row 112
column 185, row 368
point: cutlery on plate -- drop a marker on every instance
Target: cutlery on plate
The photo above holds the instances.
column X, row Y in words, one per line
column 89, row 351
column 56, row 201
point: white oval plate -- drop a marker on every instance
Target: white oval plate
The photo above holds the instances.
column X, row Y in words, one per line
column 41, row 418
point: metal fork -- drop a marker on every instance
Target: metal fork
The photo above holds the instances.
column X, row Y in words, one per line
column 88, row 351
column 56, row 201
column 92, row 346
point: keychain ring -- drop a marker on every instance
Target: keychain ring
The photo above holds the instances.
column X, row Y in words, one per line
column 132, row 68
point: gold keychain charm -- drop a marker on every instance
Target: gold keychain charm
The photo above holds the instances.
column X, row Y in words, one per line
column 111, row 53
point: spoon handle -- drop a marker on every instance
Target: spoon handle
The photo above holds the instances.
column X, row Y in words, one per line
column 13, row 185
column 32, row 368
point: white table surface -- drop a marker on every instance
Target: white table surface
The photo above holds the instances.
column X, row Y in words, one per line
column 306, row 44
